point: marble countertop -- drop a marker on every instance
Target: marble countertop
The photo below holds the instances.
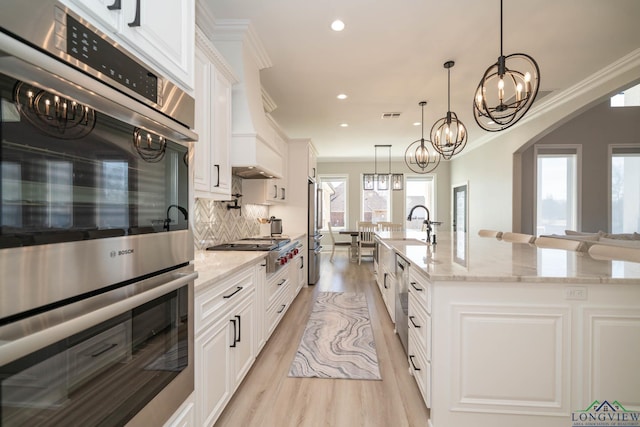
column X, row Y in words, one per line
column 473, row 258
column 217, row 265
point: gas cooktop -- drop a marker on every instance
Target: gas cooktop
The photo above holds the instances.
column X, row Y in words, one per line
column 266, row 243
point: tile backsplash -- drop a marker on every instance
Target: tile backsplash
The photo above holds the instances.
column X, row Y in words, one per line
column 213, row 223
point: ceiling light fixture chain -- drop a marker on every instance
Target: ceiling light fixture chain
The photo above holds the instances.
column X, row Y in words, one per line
column 507, row 89
column 417, row 156
column 449, row 134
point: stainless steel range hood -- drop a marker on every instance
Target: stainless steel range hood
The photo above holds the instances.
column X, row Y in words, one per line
column 253, row 151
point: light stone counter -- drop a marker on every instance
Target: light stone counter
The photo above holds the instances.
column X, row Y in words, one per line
column 213, row 266
column 515, row 335
column 487, row 259
column 216, row 265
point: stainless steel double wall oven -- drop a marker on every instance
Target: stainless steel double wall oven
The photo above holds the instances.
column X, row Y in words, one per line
column 96, row 284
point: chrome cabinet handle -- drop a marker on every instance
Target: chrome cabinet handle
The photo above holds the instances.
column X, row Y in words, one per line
column 117, row 5
column 414, row 323
column 301, row 262
column 275, row 191
column 136, row 19
column 281, row 309
column 232, row 293
column 283, row 194
column 415, row 368
column 415, row 287
column 218, row 180
column 282, row 282
column 384, row 281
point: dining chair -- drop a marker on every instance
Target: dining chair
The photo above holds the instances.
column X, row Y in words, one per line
column 609, row 252
column 566, row 244
column 490, row 233
column 366, row 232
column 335, row 244
column 388, row 226
column 518, row 237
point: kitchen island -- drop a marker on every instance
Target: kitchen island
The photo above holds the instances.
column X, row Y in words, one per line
column 506, row 334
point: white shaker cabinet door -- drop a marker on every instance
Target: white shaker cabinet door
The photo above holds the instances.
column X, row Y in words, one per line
column 163, row 31
column 212, row 171
column 105, row 12
column 203, row 118
column 213, row 381
column 221, row 104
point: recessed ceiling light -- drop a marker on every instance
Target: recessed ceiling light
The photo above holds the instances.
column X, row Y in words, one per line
column 342, row 96
column 337, row 25
column 344, row 125
column 417, row 124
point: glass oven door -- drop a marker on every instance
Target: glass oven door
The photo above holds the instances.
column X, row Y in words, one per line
column 116, row 357
column 70, row 172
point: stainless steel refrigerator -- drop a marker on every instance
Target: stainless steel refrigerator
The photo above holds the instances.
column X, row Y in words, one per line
column 314, row 224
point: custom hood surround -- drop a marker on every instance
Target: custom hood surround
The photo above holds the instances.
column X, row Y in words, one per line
column 254, row 154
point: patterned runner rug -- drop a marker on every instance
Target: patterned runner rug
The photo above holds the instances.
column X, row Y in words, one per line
column 338, row 340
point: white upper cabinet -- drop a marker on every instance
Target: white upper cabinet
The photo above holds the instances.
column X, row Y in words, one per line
column 212, row 171
column 312, row 163
column 159, row 31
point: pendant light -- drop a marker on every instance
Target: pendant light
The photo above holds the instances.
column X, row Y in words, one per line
column 507, row 90
column 417, row 155
column 382, row 180
column 449, row 135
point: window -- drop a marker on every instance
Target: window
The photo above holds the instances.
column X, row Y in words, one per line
column 625, row 191
column 376, row 205
column 556, row 189
column 334, row 200
column 419, row 190
column 627, row 98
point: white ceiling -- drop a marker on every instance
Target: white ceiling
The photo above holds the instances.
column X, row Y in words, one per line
column 391, row 54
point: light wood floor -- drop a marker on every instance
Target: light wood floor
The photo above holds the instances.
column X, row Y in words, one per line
column 269, row 398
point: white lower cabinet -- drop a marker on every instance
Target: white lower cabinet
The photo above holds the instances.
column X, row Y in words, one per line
column 185, row 416
column 278, row 297
column 224, row 342
column 419, row 350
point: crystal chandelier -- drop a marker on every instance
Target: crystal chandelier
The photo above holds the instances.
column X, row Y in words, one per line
column 448, row 134
column 507, row 90
column 417, row 155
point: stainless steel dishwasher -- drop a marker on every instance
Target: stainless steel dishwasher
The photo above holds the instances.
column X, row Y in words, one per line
column 402, row 300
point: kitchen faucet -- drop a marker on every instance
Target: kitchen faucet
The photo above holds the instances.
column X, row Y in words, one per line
column 167, row 220
column 427, row 220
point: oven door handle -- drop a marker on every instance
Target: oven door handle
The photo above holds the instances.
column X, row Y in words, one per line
column 14, row 350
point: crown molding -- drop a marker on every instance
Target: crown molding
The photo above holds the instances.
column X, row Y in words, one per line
column 267, row 101
column 216, row 57
column 241, row 30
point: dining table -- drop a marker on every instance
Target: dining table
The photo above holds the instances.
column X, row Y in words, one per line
column 353, row 253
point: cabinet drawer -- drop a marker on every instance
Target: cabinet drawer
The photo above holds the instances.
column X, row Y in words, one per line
column 421, row 369
column 420, row 286
column 214, row 301
column 276, row 311
column 277, row 284
column 420, row 323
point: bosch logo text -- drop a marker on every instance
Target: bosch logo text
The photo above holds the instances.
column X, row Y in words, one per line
column 113, row 254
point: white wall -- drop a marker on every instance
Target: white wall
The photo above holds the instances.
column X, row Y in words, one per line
column 354, row 170
column 488, row 164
